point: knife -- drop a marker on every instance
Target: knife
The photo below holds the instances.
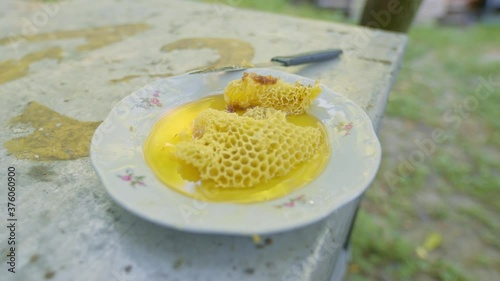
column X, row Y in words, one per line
column 291, row 60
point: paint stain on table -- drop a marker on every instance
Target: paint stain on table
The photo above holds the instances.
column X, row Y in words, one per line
column 178, row 263
column 49, row 274
column 126, row 78
column 95, row 38
column 34, row 258
column 56, row 137
column 41, row 173
column 231, row 50
column 14, row 69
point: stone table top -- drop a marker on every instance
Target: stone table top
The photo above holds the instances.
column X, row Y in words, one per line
column 65, row 64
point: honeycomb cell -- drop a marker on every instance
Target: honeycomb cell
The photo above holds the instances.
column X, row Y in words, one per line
column 262, row 157
column 255, row 174
column 213, row 172
column 272, row 170
column 247, row 182
column 246, row 170
column 244, row 161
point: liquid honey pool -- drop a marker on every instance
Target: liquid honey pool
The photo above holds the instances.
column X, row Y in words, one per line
column 172, row 128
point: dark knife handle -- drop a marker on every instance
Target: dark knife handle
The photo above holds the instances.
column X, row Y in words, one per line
column 307, row 57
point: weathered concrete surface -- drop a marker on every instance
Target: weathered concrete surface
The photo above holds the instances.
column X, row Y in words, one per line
column 78, row 59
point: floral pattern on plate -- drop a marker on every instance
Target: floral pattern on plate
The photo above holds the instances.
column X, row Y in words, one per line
column 292, row 202
column 345, row 127
column 132, row 179
column 149, row 102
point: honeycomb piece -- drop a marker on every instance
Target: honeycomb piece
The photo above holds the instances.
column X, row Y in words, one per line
column 237, row 151
column 268, row 91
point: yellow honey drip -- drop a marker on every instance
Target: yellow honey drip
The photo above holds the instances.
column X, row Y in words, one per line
column 181, row 177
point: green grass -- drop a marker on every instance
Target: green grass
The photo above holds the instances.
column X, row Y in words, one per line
column 380, row 252
column 305, row 10
column 441, row 71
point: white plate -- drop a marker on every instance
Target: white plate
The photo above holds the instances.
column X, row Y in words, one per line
column 117, row 156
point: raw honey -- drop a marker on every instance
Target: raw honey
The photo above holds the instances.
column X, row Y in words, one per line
column 174, row 127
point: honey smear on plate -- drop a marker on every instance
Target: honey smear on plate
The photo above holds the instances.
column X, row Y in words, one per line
column 254, row 154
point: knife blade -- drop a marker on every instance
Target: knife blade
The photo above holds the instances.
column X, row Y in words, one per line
column 291, row 60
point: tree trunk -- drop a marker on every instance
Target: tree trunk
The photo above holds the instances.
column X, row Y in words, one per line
column 392, row 15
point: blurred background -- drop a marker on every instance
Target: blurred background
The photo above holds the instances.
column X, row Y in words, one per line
column 433, row 210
